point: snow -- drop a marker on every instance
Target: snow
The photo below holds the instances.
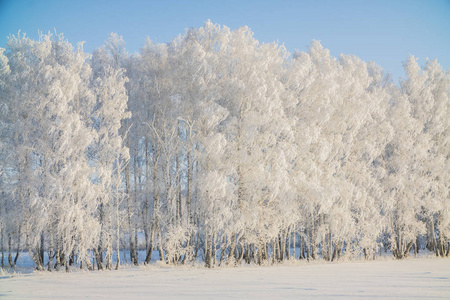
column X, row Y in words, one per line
column 420, row 278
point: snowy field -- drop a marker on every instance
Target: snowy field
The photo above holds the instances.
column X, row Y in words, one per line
column 415, row 278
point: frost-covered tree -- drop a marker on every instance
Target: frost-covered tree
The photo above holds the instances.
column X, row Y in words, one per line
column 401, row 159
column 111, row 155
column 110, row 65
column 51, row 140
column 427, row 90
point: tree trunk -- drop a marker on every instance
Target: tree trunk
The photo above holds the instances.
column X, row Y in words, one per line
column 117, row 239
column 98, row 259
column 10, row 261
column 109, row 249
column 330, row 244
column 129, row 215
column 294, row 242
column 288, row 244
column 136, row 246
column 177, row 179
column 232, row 248
column 18, row 245
column 3, row 248
column 50, row 252
column 41, row 250
column 417, row 246
column 441, row 239
column 135, row 214
column 160, row 248
column 431, row 235
column 281, row 245
column 213, row 246
column 241, row 253
column 148, row 256
column 307, row 242
column 189, row 187
column 207, row 250
column 313, row 239
column 259, row 253
column 265, row 255
column 274, row 251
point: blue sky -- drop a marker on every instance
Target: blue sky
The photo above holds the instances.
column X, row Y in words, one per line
column 382, row 31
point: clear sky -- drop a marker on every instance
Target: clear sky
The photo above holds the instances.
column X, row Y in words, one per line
column 382, row 31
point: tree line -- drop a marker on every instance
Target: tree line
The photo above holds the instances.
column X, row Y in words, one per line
column 219, row 148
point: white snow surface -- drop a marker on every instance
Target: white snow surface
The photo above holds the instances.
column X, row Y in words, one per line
column 415, row 278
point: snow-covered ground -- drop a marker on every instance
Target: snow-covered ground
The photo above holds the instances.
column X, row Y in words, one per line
column 415, row 278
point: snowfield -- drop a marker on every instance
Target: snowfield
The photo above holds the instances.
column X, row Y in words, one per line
column 415, row 278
